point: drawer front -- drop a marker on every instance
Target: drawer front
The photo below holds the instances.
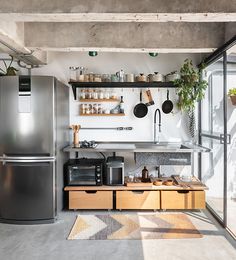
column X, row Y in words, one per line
column 138, row 200
column 90, row 200
column 183, row 199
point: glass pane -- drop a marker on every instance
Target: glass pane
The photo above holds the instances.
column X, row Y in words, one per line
column 231, row 148
column 212, row 105
column 213, row 175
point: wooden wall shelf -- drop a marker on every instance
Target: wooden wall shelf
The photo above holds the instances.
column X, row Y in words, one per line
column 99, row 100
column 120, row 85
column 102, row 114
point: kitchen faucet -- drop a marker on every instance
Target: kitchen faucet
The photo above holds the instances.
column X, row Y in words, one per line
column 159, row 125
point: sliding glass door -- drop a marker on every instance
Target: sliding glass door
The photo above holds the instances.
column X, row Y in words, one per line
column 218, row 132
column 231, row 147
column 212, row 136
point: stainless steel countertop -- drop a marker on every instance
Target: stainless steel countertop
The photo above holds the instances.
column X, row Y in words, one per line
column 162, row 147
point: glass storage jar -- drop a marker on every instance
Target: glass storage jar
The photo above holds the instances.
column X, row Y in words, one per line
column 73, row 74
column 97, row 78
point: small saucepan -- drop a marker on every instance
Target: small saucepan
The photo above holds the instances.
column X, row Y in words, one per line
column 167, row 105
column 141, row 109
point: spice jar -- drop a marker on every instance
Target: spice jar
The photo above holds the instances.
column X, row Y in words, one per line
column 95, row 94
column 99, row 109
column 106, row 77
column 97, row 78
column 107, row 94
column 82, row 94
column 100, row 94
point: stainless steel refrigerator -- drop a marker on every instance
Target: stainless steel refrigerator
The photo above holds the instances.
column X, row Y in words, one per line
column 34, row 120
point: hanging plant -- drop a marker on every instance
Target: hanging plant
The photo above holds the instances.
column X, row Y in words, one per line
column 190, row 86
column 232, row 95
column 9, row 70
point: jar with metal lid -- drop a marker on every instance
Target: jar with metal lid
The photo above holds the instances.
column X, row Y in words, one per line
column 73, row 74
column 82, row 94
column 90, row 75
column 106, row 78
column 99, row 109
column 100, row 94
column 95, row 94
column 107, row 94
column 97, row 78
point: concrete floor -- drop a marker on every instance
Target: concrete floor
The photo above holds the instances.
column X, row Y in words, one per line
column 40, row 242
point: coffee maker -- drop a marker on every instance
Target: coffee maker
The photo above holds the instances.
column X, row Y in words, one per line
column 114, row 171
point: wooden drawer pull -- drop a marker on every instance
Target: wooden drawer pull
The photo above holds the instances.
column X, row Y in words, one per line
column 183, row 191
column 91, row 191
column 138, row 191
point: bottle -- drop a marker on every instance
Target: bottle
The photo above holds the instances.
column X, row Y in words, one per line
column 145, row 174
column 122, row 106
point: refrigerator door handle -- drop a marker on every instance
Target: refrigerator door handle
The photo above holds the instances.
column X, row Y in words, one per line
column 6, row 157
column 5, row 161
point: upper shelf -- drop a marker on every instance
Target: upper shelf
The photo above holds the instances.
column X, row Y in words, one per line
column 120, row 85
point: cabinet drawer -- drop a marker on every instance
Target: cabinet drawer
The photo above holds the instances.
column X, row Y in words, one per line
column 90, row 200
column 138, row 199
column 182, row 199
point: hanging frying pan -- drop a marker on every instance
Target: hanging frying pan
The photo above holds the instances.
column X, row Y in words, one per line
column 167, row 105
column 140, row 110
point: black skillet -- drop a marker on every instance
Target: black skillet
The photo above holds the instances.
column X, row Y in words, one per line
column 167, row 105
column 141, row 109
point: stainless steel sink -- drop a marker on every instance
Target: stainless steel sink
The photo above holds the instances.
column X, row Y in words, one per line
column 161, row 145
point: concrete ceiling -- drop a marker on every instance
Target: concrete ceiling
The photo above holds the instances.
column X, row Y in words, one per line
column 180, row 26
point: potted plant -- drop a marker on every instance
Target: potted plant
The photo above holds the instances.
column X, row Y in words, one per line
column 10, row 70
column 190, row 89
column 232, row 95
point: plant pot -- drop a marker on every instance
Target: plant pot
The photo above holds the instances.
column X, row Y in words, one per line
column 233, row 100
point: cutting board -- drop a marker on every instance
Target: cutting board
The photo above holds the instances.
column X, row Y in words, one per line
column 194, row 183
column 138, row 184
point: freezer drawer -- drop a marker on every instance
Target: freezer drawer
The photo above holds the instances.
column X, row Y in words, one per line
column 27, row 191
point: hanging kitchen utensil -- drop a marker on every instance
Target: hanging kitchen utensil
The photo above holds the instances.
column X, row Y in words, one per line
column 167, row 105
column 150, row 100
column 141, row 109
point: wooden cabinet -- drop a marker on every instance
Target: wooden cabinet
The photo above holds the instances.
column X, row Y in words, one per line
column 90, row 199
column 150, row 198
column 137, row 199
column 183, row 199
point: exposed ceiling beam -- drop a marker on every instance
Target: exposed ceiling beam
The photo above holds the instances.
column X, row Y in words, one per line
column 128, row 50
column 141, row 37
column 119, row 17
column 12, row 42
column 118, row 6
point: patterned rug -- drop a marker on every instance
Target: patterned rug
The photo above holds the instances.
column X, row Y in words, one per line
column 124, row 226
